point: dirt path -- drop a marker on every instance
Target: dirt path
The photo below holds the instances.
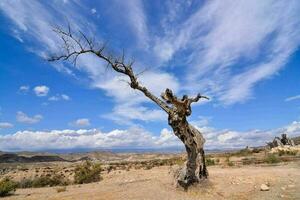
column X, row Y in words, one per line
column 224, row 183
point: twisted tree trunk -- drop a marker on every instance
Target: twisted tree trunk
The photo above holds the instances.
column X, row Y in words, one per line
column 177, row 109
column 192, row 139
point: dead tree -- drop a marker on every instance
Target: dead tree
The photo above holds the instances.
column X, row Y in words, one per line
column 178, row 109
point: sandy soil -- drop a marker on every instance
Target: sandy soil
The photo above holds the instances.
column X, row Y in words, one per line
column 157, row 183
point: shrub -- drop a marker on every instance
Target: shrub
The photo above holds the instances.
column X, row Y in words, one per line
column 7, row 187
column 210, row 162
column 87, row 173
column 271, row 158
column 43, row 181
column 25, row 183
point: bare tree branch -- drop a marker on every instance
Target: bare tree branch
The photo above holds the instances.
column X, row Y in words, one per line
column 74, row 47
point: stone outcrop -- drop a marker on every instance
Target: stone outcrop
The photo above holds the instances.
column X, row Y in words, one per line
column 280, row 142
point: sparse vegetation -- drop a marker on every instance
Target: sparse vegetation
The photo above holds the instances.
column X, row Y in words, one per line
column 7, row 187
column 210, row 161
column 271, row 159
column 146, row 164
column 43, row 181
column 88, row 172
column 25, row 183
column 287, row 152
column 242, row 152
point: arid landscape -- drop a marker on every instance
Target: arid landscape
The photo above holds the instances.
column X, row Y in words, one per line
column 241, row 174
column 149, row 100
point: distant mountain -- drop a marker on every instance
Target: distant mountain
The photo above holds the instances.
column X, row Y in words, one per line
column 14, row 158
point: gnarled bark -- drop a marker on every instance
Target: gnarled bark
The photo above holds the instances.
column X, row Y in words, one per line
column 177, row 109
column 192, row 139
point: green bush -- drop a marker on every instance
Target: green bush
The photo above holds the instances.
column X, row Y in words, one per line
column 87, row 173
column 51, row 181
column 43, row 181
column 7, row 187
column 210, row 161
column 272, row 158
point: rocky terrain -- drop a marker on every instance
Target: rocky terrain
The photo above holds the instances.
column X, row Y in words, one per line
column 240, row 183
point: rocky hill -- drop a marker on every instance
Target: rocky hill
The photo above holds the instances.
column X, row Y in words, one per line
column 14, row 158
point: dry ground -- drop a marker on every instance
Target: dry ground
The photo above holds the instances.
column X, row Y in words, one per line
column 157, row 184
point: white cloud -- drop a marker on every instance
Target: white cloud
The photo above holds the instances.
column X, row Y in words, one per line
column 126, row 113
column 6, row 125
column 59, row 97
column 227, row 136
column 93, row 10
column 41, row 90
column 167, row 139
column 65, row 97
column 24, row 118
column 137, row 138
column 81, row 122
column 67, row 139
column 292, row 98
column 24, row 89
column 217, row 37
column 201, row 121
column 38, row 30
column 129, row 102
column 222, row 35
column 137, row 20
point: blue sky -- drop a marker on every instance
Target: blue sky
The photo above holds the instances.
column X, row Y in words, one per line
column 243, row 54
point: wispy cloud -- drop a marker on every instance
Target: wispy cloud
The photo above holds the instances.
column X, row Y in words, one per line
column 24, row 118
column 59, row 97
column 234, row 45
column 292, row 98
column 24, row 89
column 137, row 19
column 227, row 48
column 129, row 103
column 38, row 30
